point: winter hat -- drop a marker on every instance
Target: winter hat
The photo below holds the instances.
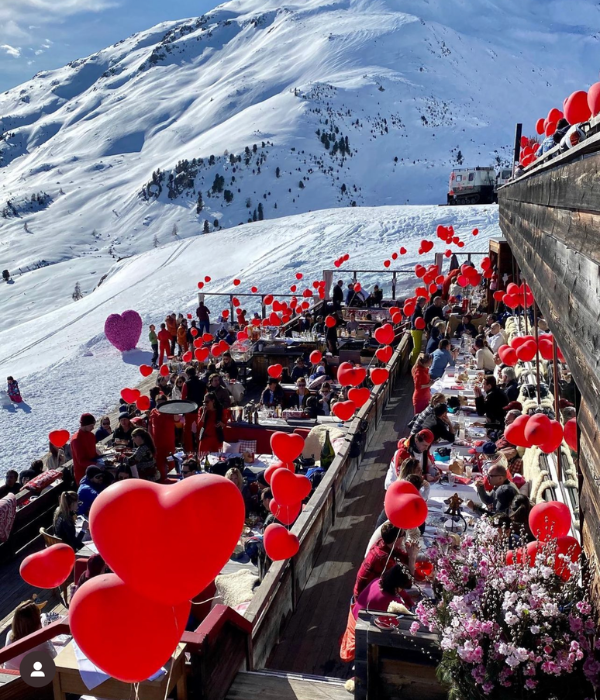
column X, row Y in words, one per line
column 426, row 435
column 486, row 448
column 87, row 419
column 504, row 497
column 513, row 405
column 563, row 403
column 92, row 471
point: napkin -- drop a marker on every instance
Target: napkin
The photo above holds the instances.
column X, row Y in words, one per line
column 92, row 676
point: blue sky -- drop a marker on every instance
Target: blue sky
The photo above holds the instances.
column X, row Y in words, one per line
column 44, row 34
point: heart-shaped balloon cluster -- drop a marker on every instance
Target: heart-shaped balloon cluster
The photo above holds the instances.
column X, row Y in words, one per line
column 139, row 527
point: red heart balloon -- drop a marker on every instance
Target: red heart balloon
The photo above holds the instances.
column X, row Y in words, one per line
column 554, row 438
column 385, row 334
column 107, row 617
column 130, row 395
column 546, row 348
column 279, row 543
column 285, row 514
column 278, row 465
column 347, row 375
column 59, row 438
column 289, row 488
column 286, row 446
column 275, row 371
column 315, row 357
column 216, row 350
column 208, row 337
column 344, row 410
column 515, row 433
column 143, row 403
column 571, row 549
column 379, row 375
column 359, row 396
column 164, row 371
column 405, row 510
column 201, row 354
column 187, row 356
column 148, row 558
column 549, row 520
column 538, row 429
column 146, row 370
column 571, row 433
column 400, row 487
column 420, row 323
column 49, row 568
column 527, row 351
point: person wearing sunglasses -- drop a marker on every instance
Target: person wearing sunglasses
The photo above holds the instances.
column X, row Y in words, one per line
column 189, row 468
column 299, row 397
column 104, row 430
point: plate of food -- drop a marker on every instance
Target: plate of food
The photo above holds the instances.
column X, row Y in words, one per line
column 386, row 622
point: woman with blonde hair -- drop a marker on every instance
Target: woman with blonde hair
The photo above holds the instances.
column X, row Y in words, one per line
column 64, row 520
column 26, row 620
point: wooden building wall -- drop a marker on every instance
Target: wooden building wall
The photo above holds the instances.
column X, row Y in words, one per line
column 551, row 219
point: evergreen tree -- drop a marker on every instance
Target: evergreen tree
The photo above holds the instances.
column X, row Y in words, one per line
column 248, row 203
column 261, row 213
column 175, row 231
column 343, row 188
column 301, row 185
column 254, row 148
column 228, row 196
column 277, row 172
column 155, row 241
column 206, row 226
column 216, row 223
column 199, row 203
column 254, row 216
column 77, row 295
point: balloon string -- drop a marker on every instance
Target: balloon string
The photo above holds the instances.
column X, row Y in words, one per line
column 172, row 657
column 201, row 602
column 391, row 552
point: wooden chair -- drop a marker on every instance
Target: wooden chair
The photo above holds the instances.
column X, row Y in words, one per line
column 50, row 540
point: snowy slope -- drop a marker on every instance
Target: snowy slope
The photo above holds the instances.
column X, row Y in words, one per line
column 414, row 80
column 66, row 366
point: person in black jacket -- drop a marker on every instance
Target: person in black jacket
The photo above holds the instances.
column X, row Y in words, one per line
column 338, row 295
column 439, row 423
column 492, row 404
column 434, row 311
column 331, row 337
column 465, row 327
column 194, row 388
column 228, row 366
column 510, row 385
column 273, row 394
column 64, row 521
column 418, row 312
column 122, row 434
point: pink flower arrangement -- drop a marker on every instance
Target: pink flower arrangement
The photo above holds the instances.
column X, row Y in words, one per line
column 510, row 630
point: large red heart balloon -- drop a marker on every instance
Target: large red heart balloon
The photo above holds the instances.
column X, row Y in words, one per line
column 359, row 396
column 344, row 410
column 385, row 334
column 546, row 347
column 124, row 634
column 515, row 432
column 279, row 543
column 49, row 568
column 130, row 395
column 420, row 323
column 287, row 446
column 571, row 433
column 143, row 403
column 134, row 525
column 269, row 471
column 216, row 350
column 59, row 438
column 164, row 371
column 549, row 520
column 538, row 429
column 275, row 371
column 384, row 354
column 347, row 375
column 289, row 488
column 554, row 438
column 379, row 375
column 577, row 109
column 201, row 354
column 405, row 510
column 146, row 370
column 285, row 514
column 187, row 356
column 527, row 351
column 570, row 548
column 315, row 357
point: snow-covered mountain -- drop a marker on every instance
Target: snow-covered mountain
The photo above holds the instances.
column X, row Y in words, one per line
column 65, row 365
column 267, row 109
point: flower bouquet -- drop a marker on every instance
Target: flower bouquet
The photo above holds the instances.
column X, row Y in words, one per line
column 511, row 624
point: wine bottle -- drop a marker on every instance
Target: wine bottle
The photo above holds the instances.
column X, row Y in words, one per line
column 327, row 453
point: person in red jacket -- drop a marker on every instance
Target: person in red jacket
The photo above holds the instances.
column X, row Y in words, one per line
column 381, row 557
column 83, row 446
column 417, row 447
column 164, row 339
column 162, row 430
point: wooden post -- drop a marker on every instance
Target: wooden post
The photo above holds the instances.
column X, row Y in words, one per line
column 537, row 353
column 231, row 310
column 518, row 132
column 525, row 304
column 394, row 286
column 262, row 306
column 556, row 403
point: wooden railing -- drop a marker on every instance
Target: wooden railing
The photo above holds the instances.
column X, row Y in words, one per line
column 276, row 598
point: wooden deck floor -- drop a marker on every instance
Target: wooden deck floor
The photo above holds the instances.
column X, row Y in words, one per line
column 310, row 641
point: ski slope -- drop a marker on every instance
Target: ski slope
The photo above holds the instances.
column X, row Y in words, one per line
column 65, row 365
column 411, row 87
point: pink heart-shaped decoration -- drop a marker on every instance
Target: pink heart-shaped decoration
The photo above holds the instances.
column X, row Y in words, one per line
column 48, row 568
column 344, row 410
column 287, row 446
column 279, row 543
column 289, row 488
column 359, row 396
column 124, row 330
column 134, row 525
